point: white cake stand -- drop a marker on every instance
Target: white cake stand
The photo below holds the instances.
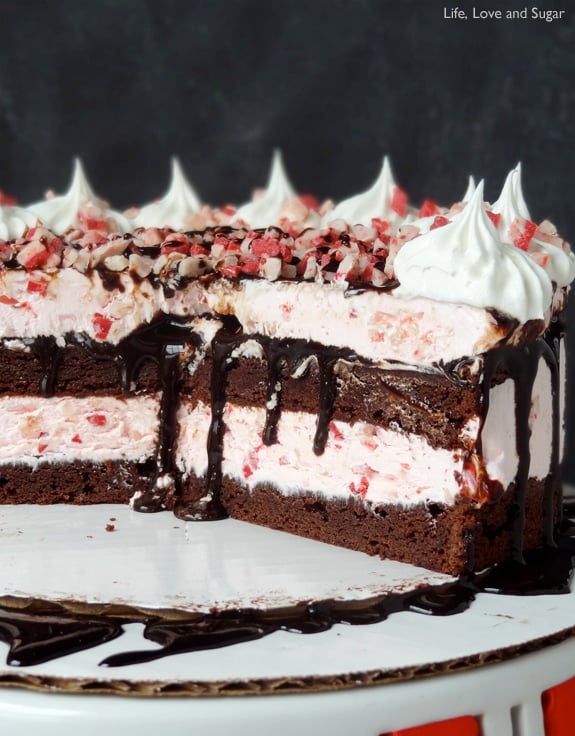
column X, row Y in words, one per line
column 492, row 661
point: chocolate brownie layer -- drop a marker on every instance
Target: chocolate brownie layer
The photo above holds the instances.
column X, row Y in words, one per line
column 41, row 367
column 76, row 483
column 44, row 369
column 445, row 538
column 426, row 403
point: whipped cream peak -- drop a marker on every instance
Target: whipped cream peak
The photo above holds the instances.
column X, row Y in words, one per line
column 181, row 186
column 268, row 208
column 377, row 201
column 518, row 191
column 15, row 221
column 176, row 208
column 54, row 208
column 279, row 184
column 79, row 207
column 80, row 186
column 544, row 246
column 510, row 204
column 465, row 262
column 470, row 190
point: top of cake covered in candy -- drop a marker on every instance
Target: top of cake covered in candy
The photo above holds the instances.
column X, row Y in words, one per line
column 486, row 255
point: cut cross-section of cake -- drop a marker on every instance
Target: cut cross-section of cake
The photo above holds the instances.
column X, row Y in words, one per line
column 392, row 383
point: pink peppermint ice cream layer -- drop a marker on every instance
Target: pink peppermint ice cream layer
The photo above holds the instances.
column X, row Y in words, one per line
column 375, row 464
column 62, row 429
column 377, row 325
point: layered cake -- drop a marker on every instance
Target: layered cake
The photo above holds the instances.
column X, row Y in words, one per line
column 371, row 374
column 367, row 374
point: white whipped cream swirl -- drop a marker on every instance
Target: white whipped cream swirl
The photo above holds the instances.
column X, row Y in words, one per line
column 375, row 202
column 61, row 212
column 465, row 262
column 15, row 221
column 469, row 192
column 560, row 263
column 176, row 208
column 510, row 204
column 269, row 208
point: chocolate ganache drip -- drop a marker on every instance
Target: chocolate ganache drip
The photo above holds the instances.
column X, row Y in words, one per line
column 280, row 354
column 519, row 364
column 293, row 356
column 276, row 360
column 209, row 507
column 161, row 342
column 327, row 396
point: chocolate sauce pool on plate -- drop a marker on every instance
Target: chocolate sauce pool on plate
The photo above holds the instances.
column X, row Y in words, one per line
column 46, row 631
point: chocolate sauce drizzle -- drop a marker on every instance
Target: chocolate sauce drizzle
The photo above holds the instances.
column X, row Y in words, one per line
column 209, row 507
column 48, row 353
column 160, row 342
column 521, row 364
column 279, row 355
column 36, row 636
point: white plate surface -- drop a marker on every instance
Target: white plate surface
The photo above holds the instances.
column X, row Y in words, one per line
column 157, row 561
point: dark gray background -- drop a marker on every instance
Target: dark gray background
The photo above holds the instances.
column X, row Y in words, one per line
column 335, row 84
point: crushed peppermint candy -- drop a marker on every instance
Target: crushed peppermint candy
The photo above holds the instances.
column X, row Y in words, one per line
column 360, row 255
column 521, row 232
column 337, row 252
